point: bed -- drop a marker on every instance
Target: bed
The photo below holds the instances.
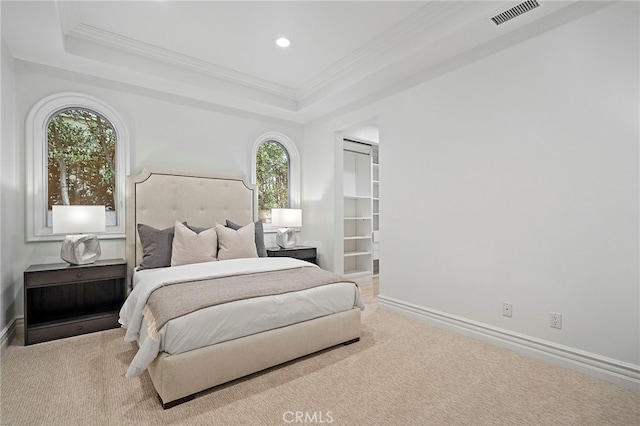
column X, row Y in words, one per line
column 301, row 321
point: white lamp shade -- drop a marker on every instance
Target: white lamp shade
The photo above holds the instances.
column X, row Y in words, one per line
column 286, row 218
column 78, row 219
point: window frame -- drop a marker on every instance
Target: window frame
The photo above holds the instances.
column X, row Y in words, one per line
column 294, row 167
column 36, row 156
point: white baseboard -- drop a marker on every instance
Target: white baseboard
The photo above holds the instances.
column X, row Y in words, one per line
column 9, row 331
column 611, row 370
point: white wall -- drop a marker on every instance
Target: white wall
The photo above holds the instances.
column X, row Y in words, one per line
column 512, row 179
column 8, row 232
column 515, row 179
column 166, row 134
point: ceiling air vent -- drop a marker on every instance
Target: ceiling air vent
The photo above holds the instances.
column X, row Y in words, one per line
column 515, row 11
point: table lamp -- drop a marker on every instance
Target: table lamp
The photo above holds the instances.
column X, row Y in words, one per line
column 285, row 220
column 80, row 246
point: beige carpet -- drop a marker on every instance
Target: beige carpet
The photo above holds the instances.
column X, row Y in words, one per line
column 401, row 373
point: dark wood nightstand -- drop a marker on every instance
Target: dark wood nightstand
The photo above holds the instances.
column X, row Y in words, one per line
column 299, row 252
column 62, row 300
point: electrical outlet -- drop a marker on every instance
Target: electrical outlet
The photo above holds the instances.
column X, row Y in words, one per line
column 507, row 309
column 555, row 320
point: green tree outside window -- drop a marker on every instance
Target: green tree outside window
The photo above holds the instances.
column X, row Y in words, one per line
column 81, row 155
column 272, row 178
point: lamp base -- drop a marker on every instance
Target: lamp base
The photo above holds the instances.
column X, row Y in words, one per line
column 80, row 249
column 286, row 238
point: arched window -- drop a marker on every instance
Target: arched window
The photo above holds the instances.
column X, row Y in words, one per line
column 81, row 160
column 276, row 173
column 78, row 156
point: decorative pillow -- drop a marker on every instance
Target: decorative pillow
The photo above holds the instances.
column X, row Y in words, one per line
column 236, row 244
column 156, row 246
column 260, row 248
column 192, row 247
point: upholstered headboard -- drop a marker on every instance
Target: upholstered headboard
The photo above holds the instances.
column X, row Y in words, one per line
column 160, row 197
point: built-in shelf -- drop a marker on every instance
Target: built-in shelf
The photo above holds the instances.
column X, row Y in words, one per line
column 356, row 272
column 375, row 209
column 356, row 253
column 361, row 208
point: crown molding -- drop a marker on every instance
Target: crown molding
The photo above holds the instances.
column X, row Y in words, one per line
column 418, row 47
column 91, row 34
column 352, row 66
column 427, row 19
column 74, row 30
column 68, row 14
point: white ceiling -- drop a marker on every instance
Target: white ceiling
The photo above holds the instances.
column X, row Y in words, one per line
column 223, row 53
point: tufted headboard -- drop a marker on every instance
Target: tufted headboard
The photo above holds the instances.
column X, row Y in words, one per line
column 159, row 197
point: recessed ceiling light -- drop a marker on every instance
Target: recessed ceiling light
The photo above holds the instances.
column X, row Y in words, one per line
column 283, row 42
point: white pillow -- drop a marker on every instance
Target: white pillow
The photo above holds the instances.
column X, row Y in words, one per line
column 191, row 247
column 236, row 244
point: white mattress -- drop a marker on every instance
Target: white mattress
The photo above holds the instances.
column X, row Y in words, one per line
column 232, row 320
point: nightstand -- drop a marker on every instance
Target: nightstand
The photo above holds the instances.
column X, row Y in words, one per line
column 62, row 300
column 298, row 252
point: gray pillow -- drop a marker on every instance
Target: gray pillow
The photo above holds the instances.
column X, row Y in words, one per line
column 156, row 246
column 260, row 248
column 197, row 229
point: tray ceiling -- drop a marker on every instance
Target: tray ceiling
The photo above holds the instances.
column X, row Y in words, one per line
column 224, row 53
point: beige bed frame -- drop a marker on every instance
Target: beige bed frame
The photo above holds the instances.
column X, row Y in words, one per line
column 160, row 197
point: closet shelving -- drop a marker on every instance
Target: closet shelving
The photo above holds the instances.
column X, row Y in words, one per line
column 375, row 183
column 358, row 209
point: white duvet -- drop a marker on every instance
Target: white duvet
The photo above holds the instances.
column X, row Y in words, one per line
column 228, row 321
